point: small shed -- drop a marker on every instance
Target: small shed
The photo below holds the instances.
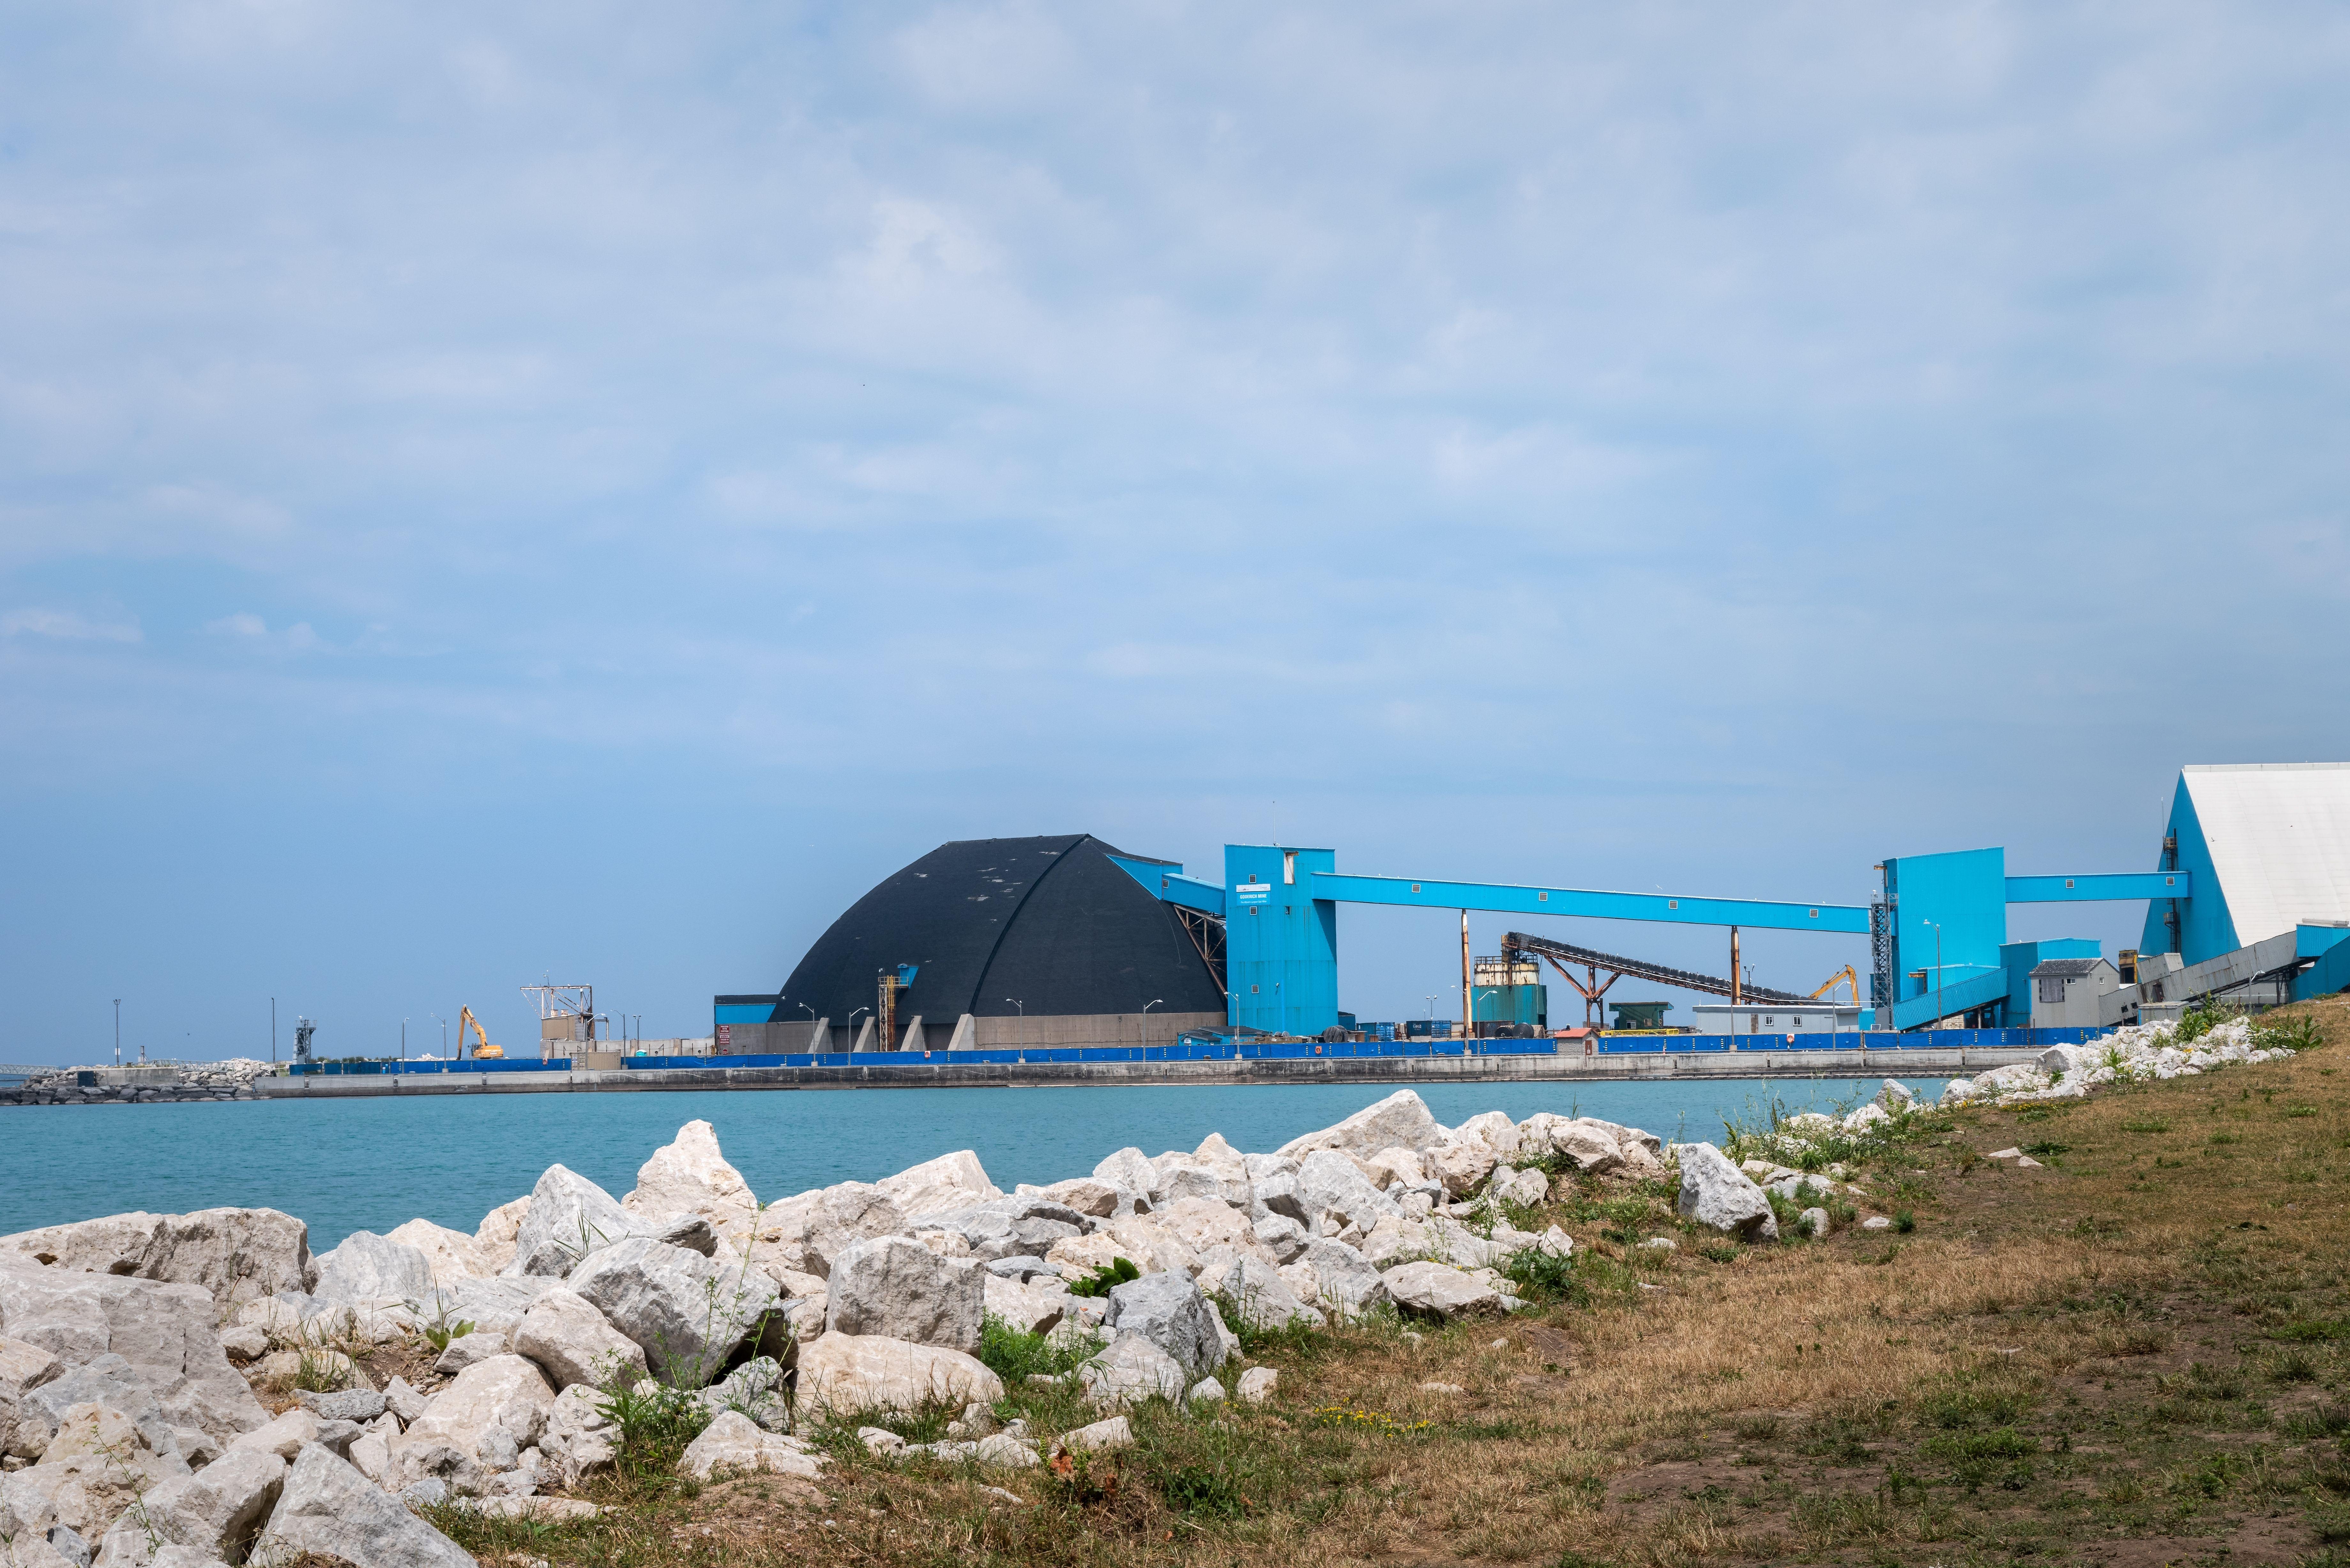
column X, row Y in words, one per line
column 2077, row 993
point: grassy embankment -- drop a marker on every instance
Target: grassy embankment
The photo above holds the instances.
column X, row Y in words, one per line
column 2137, row 1353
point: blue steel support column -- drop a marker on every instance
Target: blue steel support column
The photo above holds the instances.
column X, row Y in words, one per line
column 1281, row 942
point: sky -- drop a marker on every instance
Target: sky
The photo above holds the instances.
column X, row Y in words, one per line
column 583, row 492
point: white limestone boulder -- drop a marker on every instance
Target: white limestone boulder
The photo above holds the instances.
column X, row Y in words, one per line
column 1435, row 1290
column 578, row 1438
column 939, row 1186
column 1332, row 1186
column 328, row 1508
column 733, row 1442
column 896, row 1288
column 494, row 1239
column 1100, row 1437
column 686, row 1312
column 1344, row 1281
column 1257, row 1384
column 371, row 1268
column 98, row 1463
column 845, row 1373
column 1258, row 1294
column 163, row 1333
column 1030, row 1306
column 803, row 1233
column 234, row 1255
column 1401, row 1119
column 1169, row 1310
column 690, row 1176
column 449, row 1254
column 569, row 1218
column 282, row 1437
column 1717, row 1195
column 24, row 1367
column 1083, row 1194
column 1131, row 1174
column 573, row 1343
column 476, row 1427
column 217, row 1511
column 1527, row 1189
column 1128, row 1370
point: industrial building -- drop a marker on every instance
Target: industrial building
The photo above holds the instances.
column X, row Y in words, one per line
column 993, row 944
column 1067, row 941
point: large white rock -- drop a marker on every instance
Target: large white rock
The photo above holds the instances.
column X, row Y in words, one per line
column 1717, row 1195
column 328, row 1508
column 1529, row 1188
column 368, row 1268
column 1083, row 1194
column 24, row 1367
column 573, row 1343
column 1258, row 1294
column 805, row 1233
column 217, row 1511
column 495, row 1408
column 686, row 1312
column 899, row 1289
column 1494, row 1129
column 568, row 1219
column 735, row 1442
column 449, row 1254
column 1168, row 1310
column 1345, row 1281
column 1130, row 1171
column 233, row 1254
column 939, row 1186
column 98, row 1463
column 282, row 1436
column 579, row 1437
column 1032, row 1308
column 1130, row 1370
column 1257, row 1384
column 1331, row 1185
column 1436, row 1290
column 1100, row 1437
column 1401, row 1120
column 162, row 1332
column 1205, row 1223
column 845, row 1373
column 690, row 1175
column 1009, row 1227
column 495, row 1238
column 1146, row 1243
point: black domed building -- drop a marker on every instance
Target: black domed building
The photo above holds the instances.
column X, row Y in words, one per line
column 990, row 944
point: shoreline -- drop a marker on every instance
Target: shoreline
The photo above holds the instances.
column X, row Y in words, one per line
column 885, row 1073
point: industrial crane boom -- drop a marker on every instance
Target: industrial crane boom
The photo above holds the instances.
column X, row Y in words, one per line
column 484, row 1051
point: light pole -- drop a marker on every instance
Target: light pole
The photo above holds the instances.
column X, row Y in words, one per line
column 852, row 1024
column 404, row 1040
column 273, row 1031
column 445, row 1032
column 1431, row 996
column 1014, row 1000
column 1472, row 1008
column 118, row 1032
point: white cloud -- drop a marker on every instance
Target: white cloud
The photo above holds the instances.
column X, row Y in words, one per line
column 68, row 626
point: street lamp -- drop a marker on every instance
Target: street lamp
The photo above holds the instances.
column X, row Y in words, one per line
column 444, row 1033
column 1013, row 1000
column 852, row 1024
column 273, row 1031
column 118, row 1032
column 1152, row 1003
column 1472, row 1008
column 404, row 1040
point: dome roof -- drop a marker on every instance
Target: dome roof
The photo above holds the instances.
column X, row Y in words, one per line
column 1052, row 921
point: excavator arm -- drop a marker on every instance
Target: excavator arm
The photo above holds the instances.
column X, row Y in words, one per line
column 1844, row 976
column 483, row 1050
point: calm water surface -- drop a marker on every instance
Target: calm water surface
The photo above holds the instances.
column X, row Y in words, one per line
column 368, row 1165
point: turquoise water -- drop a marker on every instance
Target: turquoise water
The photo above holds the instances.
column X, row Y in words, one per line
column 370, row 1164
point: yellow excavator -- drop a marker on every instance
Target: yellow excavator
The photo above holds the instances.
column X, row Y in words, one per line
column 484, row 1051
column 1844, row 976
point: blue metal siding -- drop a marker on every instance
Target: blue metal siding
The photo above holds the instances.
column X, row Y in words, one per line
column 1281, row 942
column 2206, row 929
column 1965, row 894
column 1672, row 909
column 2101, row 887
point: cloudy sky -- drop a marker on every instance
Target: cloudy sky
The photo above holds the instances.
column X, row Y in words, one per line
column 585, row 490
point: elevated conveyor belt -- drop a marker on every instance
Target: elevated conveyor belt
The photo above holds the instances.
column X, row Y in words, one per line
column 1564, row 953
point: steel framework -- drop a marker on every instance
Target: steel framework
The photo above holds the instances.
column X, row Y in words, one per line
column 1561, row 954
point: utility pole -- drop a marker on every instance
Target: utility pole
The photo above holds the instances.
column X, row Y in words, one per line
column 118, row 1032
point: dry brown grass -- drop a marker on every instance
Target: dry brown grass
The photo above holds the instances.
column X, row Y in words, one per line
column 1800, row 1403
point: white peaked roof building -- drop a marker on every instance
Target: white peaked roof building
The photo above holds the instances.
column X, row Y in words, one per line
column 2269, row 848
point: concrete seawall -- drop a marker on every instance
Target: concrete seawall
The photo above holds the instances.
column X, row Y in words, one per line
column 948, row 1074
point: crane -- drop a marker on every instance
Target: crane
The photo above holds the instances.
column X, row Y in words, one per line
column 484, row 1051
column 1844, row 976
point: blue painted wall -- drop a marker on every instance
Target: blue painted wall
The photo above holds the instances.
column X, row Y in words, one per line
column 2206, row 929
column 1965, row 893
column 1281, row 945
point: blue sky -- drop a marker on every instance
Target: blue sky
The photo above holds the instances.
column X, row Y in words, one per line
column 583, row 490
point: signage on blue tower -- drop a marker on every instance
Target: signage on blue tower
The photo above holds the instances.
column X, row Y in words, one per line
column 1253, row 892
